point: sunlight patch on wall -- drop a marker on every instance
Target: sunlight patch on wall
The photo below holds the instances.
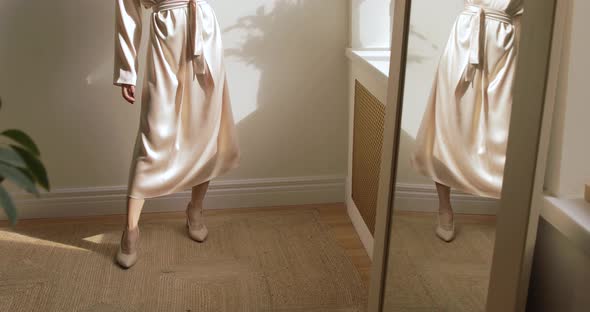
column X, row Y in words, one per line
column 243, row 83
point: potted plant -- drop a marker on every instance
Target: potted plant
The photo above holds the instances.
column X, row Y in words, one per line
column 20, row 164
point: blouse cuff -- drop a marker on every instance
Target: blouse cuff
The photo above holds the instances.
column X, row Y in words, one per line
column 125, row 77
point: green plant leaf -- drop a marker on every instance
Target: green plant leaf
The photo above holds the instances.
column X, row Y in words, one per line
column 8, row 205
column 34, row 165
column 28, row 173
column 19, row 178
column 11, row 157
column 23, row 139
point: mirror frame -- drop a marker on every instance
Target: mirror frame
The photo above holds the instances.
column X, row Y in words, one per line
column 530, row 123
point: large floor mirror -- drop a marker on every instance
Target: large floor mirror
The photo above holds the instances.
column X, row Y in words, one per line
column 466, row 101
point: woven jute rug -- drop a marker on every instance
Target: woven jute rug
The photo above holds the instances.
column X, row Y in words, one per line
column 255, row 261
column 430, row 275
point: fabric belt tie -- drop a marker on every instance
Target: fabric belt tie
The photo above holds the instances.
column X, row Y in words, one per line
column 195, row 29
column 477, row 40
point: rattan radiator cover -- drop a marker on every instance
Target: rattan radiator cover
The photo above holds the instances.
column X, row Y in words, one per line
column 369, row 118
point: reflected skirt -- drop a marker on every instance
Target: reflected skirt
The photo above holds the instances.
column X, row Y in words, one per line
column 462, row 139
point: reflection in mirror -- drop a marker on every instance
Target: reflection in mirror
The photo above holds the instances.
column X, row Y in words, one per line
column 460, row 65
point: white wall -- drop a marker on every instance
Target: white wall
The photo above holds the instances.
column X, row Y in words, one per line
column 568, row 165
column 430, row 27
column 287, row 74
column 367, row 17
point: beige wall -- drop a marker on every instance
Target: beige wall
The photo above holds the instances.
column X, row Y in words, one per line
column 568, row 163
column 287, row 74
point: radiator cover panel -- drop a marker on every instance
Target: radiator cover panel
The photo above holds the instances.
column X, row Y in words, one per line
column 369, row 118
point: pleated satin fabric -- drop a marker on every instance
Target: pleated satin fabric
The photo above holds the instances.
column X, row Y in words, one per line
column 462, row 139
column 186, row 132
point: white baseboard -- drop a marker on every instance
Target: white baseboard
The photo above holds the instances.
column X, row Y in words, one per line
column 420, row 198
column 92, row 201
column 424, row 198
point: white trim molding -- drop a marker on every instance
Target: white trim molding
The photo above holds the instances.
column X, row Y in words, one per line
column 571, row 217
column 94, row 201
column 419, row 198
column 424, row 198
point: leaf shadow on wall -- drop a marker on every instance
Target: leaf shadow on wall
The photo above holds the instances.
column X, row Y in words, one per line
column 299, row 126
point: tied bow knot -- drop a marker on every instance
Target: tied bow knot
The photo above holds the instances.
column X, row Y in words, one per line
column 196, row 37
column 475, row 42
column 195, row 30
column 477, row 39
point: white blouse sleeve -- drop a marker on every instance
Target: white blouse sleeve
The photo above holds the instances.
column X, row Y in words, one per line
column 127, row 40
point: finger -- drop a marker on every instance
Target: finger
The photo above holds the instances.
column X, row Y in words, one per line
column 127, row 96
column 131, row 92
column 125, row 93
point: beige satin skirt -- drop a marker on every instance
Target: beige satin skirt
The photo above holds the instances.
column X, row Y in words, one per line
column 186, row 134
column 462, row 139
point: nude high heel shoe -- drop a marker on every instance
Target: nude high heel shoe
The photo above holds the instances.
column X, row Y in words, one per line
column 127, row 253
column 443, row 233
column 196, row 232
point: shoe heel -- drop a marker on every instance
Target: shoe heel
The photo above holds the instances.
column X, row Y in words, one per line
column 127, row 260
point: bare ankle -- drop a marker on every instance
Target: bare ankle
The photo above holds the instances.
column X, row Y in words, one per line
column 131, row 227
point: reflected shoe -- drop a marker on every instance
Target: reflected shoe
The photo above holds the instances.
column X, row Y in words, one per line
column 197, row 232
column 127, row 253
column 446, row 233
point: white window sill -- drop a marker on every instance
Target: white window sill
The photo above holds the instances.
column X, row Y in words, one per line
column 570, row 216
column 376, row 60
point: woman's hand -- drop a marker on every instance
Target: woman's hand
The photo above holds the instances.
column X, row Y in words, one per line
column 128, row 93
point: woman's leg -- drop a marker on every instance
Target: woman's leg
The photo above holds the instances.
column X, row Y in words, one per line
column 194, row 213
column 196, row 210
column 445, row 210
column 134, row 207
column 446, row 228
column 127, row 254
